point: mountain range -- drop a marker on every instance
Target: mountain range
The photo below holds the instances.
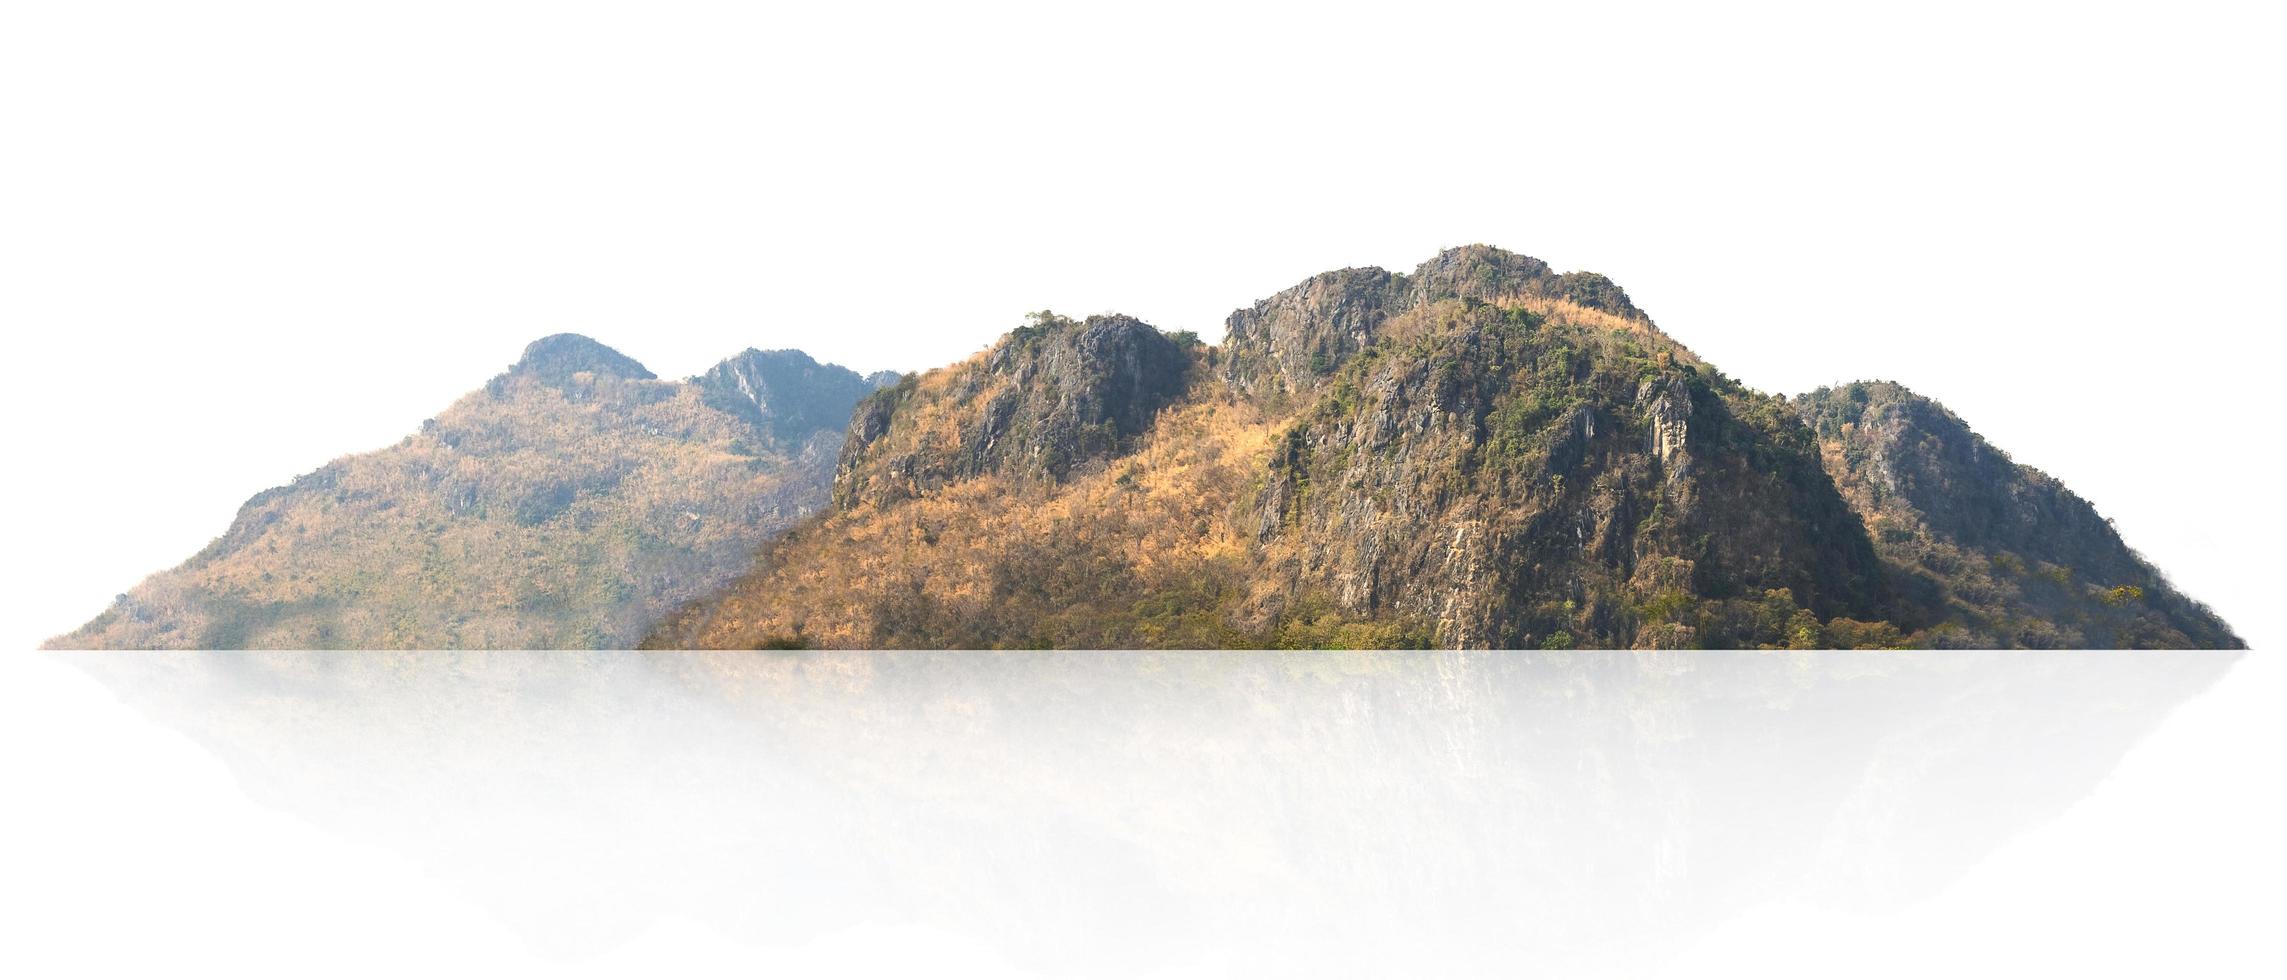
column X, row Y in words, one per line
column 1482, row 452
column 571, row 502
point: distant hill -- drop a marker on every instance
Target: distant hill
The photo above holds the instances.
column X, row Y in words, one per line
column 1482, row 453
column 571, row 502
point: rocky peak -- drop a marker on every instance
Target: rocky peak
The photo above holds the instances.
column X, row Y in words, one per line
column 1289, row 341
column 1047, row 398
column 785, row 393
column 555, row 358
column 1479, row 272
column 1901, row 451
column 1482, row 272
column 1979, row 538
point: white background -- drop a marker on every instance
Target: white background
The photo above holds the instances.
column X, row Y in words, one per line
column 238, row 239
column 443, row 817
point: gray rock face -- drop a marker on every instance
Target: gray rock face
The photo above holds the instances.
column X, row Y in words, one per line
column 1107, row 376
column 1289, row 341
column 785, row 394
column 1980, row 540
column 1516, row 483
column 1913, row 452
column 1047, row 399
column 1667, row 407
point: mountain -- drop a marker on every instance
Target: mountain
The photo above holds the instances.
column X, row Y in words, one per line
column 1482, row 453
column 1995, row 553
column 572, row 502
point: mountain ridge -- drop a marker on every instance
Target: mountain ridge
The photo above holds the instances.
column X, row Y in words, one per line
column 1975, row 538
column 1482, row 452
column 569, row 502
column 1479, row 452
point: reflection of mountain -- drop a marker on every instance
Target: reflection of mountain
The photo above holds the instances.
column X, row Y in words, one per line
column 1432, row 813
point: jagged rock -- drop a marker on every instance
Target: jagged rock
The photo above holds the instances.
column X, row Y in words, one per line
column 787, row 395
column 1504, row 477
column 1289, row 341
column 1978, row 541
column 1048, row 398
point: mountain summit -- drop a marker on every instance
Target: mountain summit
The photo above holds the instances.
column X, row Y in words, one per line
column 555, row 359
column 785, row 394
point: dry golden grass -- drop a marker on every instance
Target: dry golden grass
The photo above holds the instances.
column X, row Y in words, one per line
column 1157, row 546
column 536, row 519
column 1156, row 520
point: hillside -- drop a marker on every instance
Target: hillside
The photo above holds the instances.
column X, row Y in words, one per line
column 1995, row 553
column 572, row 502
column 1483, row 452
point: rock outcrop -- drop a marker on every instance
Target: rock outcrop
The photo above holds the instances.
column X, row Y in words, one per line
column 785, row 394
column 1286, row 344
column 1519, row 479
column 1994, row 552
column 1049, row 398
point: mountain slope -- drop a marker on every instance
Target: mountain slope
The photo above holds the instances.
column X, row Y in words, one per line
column 1994, row 552
column 1481, row 453
column 975, row 507
column 572, row 502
